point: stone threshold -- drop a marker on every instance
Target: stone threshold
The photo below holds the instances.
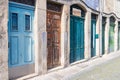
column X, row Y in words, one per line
column 72, row 71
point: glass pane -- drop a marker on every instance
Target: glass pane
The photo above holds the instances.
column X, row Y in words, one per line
column 14, row 21
column 27, row 22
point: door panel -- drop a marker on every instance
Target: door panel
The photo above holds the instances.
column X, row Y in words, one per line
column 27, row 49
column 76, row 39
column 14, row 54
column 53, row 39
column 93, row 40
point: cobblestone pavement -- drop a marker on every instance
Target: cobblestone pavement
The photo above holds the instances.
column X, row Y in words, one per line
column 107, row 71
column 101, row 68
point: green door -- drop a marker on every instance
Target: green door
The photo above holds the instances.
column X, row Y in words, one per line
column 93, row 40
column 103, row 38
column 76, row 39
column 111, row 38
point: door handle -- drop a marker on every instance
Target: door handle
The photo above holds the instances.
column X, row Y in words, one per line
column 8, row 44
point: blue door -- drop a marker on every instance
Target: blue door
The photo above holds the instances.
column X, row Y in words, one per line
column 93, row 40
column 76, row 39
column 20, row 31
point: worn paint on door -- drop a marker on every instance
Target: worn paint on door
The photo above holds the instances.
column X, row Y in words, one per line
column 93, row 39
column 53, row 39
column 76, row 38
column 20, row 31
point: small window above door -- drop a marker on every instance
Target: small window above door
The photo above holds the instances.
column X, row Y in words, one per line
column 28, row 2
column 77, row 10
column 54, row 7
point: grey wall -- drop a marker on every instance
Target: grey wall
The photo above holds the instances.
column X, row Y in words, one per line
column 3, row 40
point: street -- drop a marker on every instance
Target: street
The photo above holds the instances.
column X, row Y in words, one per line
column 106, row 71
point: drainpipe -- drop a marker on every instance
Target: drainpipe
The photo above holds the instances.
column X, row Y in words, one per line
column 101, row 10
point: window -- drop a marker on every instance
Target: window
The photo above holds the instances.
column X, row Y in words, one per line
column 27, row 22
column 14, row 21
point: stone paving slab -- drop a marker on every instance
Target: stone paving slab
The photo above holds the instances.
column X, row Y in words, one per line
column 102, row 68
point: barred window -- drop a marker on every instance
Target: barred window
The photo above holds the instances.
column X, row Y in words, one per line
column 28, row 2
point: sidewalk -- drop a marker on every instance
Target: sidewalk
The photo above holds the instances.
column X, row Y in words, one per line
column 102, row 68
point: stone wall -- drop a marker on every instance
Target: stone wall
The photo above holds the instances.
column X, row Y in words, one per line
column 3, row 40
column 117, row 8
column 112, row 6
column 108, row 6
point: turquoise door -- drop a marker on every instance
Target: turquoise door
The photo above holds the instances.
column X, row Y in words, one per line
column 76, row 39
column 20, row 33
column 103, row 38
column 111, row 38
column 93, row 40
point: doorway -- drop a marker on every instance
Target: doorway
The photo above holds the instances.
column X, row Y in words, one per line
column 21, row 41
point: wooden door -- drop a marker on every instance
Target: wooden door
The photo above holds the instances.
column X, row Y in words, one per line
column 21, row 42
column 53, row 39
column 76, row 39
column 93, row 40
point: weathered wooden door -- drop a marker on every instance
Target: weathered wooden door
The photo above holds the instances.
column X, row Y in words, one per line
column 21, row 43
column 53, row 38
column 93, row 40
column 76, row 38
column 111, row 38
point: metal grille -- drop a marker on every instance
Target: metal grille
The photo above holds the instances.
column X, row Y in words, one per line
column 28, row 2
column 54, row 7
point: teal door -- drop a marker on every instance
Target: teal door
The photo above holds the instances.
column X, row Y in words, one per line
column 111, row 38
column 20, row 33
column 76, row 39
column 103, row 38
column 93, row 40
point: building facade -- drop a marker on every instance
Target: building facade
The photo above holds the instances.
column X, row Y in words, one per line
column 39, row 36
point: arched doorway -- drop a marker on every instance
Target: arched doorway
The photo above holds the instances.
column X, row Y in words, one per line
column 111, row 34
column 77, row 15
